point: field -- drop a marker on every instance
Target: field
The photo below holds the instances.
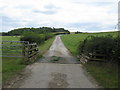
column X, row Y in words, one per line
column 13, row 65
column 72, row 41
column 105, row 74
column 10, row 38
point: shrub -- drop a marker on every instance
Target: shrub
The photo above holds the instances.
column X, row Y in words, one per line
column 48, row 35
column 104, row 44
column 36, row 38
column 32, row 38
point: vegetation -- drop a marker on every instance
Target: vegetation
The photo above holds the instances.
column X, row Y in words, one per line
column 106, row 45
column 36, row 38
column 10, row 38
column 106, row 73
column 77, row 32
column 41, row 30
column 10, row 67
column 45, row 46
column 72, row 41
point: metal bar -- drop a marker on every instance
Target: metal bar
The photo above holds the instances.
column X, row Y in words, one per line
column 11, row 56
column 12, row 45
column 15, row 41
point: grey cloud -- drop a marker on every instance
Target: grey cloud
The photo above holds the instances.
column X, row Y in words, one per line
column 90, row 26
column 47, row 12
column 8, row 23
column 50, row 6
column 99, row 3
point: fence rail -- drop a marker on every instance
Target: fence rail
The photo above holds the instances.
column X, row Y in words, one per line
column 21, row 49
column 95, row 56
column 30, row 52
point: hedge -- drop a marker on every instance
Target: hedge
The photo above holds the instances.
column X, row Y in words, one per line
column 106, row 45
column 36, row 38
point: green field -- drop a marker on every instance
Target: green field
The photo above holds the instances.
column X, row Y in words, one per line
column 10, row 38
column 105, row 74
column 13, row 65
column 72, row 41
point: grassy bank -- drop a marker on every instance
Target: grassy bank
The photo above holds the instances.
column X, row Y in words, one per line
column 45, row 46
column 10, row 66
column 105, row 74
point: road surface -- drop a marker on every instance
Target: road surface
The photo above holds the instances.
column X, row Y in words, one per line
column 57, row 69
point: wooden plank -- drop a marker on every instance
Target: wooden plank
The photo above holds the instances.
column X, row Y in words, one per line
column 30, row 55
column 94, row 59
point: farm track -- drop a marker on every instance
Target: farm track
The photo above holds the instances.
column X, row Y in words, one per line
column 57, row 69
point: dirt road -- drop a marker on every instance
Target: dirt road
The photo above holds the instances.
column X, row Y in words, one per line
column 57, row 69
column 58, row 54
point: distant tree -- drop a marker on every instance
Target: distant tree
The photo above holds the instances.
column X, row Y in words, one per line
column 77, row 32
column 40, row 30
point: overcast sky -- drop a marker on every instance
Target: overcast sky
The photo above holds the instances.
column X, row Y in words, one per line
column 74, row 15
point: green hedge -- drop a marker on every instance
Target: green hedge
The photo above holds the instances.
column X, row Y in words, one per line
column 104, row 44
column 36, row 38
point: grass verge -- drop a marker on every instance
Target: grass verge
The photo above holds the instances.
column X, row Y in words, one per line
column 105, row 74
column 10, row 66
column 45, row 46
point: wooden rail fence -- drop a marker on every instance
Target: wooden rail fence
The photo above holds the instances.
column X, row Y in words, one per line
column 30, row 52
column 22, row 49
column 95, row 56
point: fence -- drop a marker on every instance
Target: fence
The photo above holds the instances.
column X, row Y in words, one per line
column 22, row 49
column 95, row 56
column 30, row 52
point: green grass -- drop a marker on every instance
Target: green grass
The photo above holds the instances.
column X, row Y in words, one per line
column 10, row 66
column 10, row 38
column 105, row 75
column 72, row 41
column 45, row 46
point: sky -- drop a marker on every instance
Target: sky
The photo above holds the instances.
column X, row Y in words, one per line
column 73, row 15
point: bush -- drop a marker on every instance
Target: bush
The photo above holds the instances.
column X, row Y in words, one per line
column 35, row 38
column 48, row 35
column 32, row 38
column 106, row 45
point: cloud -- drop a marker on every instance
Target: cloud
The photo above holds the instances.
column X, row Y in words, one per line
column 11, row 23
column 86, row 15
column 51, row 6
column 47, row 12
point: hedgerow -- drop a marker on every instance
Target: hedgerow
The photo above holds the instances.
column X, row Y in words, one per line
column 106, row 45
column 36, row 38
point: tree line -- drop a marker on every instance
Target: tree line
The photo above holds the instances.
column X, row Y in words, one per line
column 41, row 30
